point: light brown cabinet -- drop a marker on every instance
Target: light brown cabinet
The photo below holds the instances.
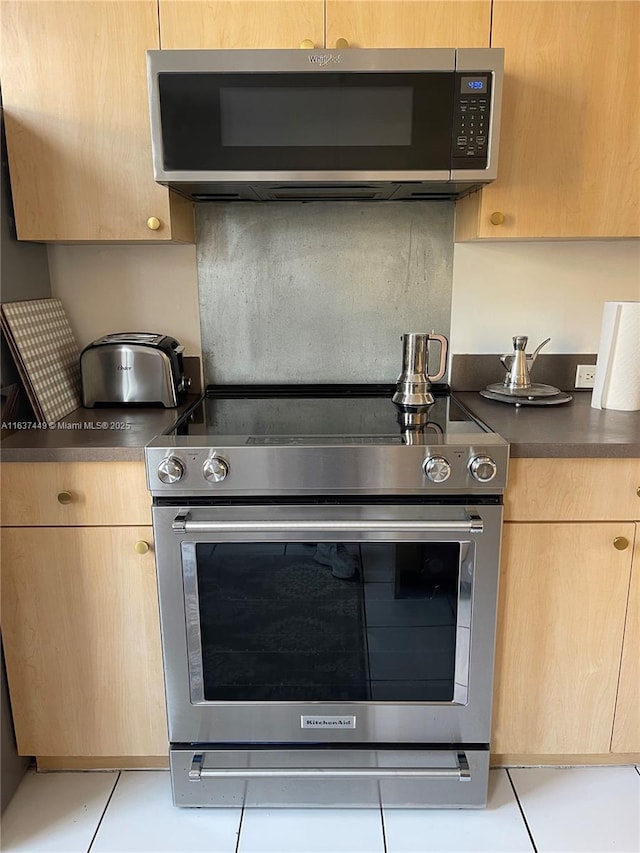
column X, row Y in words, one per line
column 75, row 100
column 408, row 23
column 234, row 24
column 569, row 161
column 76, row 114
column 80, row 620
column 626, row 728
column 572, row 490
column 49, row 494
column 568, row 642
column 362, row 23
column 74, row 94
column 563, row 598
column 81, row 628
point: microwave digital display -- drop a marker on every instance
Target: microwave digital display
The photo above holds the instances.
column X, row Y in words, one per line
column 473, row 85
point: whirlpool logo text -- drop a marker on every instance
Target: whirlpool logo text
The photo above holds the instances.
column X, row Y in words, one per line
column 325, row 58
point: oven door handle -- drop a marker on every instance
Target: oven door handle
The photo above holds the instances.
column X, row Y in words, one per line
column 459, row 773
column 472, row 524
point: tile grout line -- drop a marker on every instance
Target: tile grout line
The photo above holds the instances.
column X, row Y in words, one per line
column 104, row 811
column 515, row 793
column 240, row 825
column 384, row 832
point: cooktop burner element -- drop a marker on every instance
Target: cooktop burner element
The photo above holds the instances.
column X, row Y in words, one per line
column 303, row 439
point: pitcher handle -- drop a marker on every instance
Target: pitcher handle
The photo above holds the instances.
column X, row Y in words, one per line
column 442, row 368
column 503, row 359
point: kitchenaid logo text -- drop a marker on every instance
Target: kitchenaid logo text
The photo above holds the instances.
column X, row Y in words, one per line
column 124, row 367
column 327, row 722
column 324, row 58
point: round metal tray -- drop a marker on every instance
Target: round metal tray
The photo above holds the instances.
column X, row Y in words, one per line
column 554, row 400
column 534, row 391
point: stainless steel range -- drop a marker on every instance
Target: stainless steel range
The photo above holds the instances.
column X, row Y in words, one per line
column 327, row 568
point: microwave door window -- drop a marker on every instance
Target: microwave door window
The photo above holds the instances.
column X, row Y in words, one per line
column 320, row 117
column 325, row 621
column 303, row 122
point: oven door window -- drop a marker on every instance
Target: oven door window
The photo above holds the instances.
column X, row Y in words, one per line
column 306, row 122
column 328, row 622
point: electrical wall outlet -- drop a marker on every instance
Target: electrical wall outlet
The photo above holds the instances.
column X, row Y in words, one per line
column 585, row 375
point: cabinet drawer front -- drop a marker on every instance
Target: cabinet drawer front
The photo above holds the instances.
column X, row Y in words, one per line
column 573, row 490
column 48, row 494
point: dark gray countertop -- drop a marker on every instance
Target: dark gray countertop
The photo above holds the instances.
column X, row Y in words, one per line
column 93, row 435
column 571, row 430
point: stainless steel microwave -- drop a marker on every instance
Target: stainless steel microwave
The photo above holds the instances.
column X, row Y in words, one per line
column 270, row 125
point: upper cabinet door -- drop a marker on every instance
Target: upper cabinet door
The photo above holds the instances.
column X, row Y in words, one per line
column 231, row 24
column 409, row 23
column 569, row 145
column 77, row 123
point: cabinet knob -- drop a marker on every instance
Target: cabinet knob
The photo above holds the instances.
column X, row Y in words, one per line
column 153, row 223
column 141, row 547
column 341, row 44
column 621, row 543
column 638, row 491
column 65, row 498
column 496, row 218
column 307, row 44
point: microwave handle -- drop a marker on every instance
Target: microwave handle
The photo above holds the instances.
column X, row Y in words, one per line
column 472, row 524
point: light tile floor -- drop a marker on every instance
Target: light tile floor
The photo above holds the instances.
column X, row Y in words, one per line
column 594, row 810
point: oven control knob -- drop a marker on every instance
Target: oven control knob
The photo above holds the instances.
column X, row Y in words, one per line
column 170, row 470
column 437, row 469
column 215, row 469
column 483, row 468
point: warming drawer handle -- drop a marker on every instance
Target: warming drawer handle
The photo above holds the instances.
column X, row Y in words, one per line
column 460, row 773
column 183, row 524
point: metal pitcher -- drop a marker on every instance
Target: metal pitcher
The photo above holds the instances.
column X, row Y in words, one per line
column 413, row 389
column 518, row 364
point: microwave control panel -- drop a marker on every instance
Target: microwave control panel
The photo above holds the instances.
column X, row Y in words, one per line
column 472, row 110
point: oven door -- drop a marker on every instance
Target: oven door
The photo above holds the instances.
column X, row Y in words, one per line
column 311, row 623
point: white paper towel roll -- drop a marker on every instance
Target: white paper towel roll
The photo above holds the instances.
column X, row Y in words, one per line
column 617, row 380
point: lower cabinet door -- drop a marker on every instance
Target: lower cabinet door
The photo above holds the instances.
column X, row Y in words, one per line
column 81, row 636
column 563, row 598
column 626, row 727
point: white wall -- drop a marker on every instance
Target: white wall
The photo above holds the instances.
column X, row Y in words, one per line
column 128, row 288
column 541, row 289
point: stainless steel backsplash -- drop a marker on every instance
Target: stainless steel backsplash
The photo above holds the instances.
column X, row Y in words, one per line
column 320, row 292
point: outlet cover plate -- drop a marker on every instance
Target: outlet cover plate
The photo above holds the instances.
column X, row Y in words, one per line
column 585, row 375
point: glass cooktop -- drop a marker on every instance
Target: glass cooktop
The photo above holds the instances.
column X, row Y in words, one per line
column 321, row 414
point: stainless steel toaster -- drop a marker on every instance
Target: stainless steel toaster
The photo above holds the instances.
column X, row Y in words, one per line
column 133, row 368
